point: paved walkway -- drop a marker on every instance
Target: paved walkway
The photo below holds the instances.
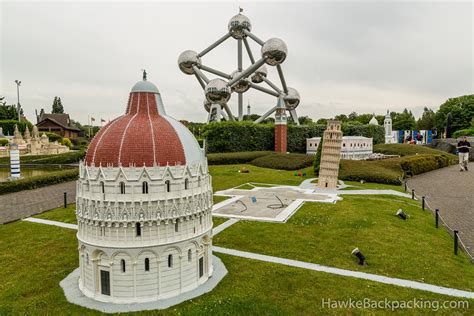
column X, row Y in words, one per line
column 452, row 192
column 14, row 206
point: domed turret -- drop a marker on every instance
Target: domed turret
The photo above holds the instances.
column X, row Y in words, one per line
column 373, row 121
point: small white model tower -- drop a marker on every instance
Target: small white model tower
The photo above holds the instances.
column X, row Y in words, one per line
column 144, row 201
column 387, row 124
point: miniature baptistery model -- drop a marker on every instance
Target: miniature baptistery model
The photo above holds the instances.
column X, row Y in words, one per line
column 144, row 200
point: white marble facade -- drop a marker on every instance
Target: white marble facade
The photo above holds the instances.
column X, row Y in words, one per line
column 145, row 233
column 353, row 147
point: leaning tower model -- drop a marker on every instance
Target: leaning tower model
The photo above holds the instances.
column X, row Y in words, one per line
column 330, row 155
column 144, row 200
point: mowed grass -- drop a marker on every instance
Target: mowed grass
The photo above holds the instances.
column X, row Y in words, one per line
column 228, row 176
column 327, row 233
column 354, row 185
column 32, row 269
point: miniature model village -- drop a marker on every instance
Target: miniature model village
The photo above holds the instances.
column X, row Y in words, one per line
column 149, row 207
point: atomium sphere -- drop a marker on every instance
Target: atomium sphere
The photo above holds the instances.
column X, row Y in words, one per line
column 242, row 85
column 274, row 51
column 259, row 74
column 238, row 24
column 292, row 99
column 207, row 105
column 217, row 91
column 186, row 60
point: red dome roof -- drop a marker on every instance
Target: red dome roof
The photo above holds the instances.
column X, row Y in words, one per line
column 144, row 136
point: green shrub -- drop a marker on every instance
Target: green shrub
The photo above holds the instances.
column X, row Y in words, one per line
column 317, row 159
column 248, row 136
column 464, row 132
column 379, row 171
column 282, row 161
column 66, row 158
column 405, row 149
column 53, row 137
column 9, row 126
column 3, row 141
column 235, row 158
column 418, row 164
column 38, row 181
column 67, row 142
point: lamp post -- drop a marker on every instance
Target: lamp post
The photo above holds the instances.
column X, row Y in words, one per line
column 18, row 108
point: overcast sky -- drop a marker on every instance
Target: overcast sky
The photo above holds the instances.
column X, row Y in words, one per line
column 363, row 56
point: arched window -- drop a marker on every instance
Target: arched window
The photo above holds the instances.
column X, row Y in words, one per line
column 138, row 229
column 87, row 258
column 176, row 227
column 145, row 187
column 190, row 255
column 200, row 220
column 170, row 261
column 147, row 264
column 168, row 185
column 199, row 181
column 102, row 186
column 122, row 187
column 122, row 264
column 186, row 184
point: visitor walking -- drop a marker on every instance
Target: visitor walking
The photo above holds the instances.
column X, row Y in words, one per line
column 463, row 148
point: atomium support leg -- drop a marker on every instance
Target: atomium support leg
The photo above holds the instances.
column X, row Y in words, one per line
column 267, row 114
column 282, row 78
column 229, row 112
column 218, row 42
column 249, row 51
column 295, row 117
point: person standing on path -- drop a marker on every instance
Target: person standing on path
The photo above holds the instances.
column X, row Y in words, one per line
column 463, row 148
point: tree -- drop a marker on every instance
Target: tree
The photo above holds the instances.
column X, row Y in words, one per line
column 364, row 118
column 317, row 159
column 404, row 121
column 2, row 102
column 341, row 117
column 353, row 116
column 461, row 109
column 8, row 112
column 305, row 120
column 427, row 120
column 322, row 121
column 57, row 106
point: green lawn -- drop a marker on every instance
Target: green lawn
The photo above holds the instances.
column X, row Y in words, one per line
column 327, row 233
column 32, row 269
column 354, row 185
column 60, row 214
column 225, row 177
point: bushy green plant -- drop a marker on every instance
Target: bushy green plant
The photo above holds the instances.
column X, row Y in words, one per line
column 404, row 149
column 53, row 137
column 38, row 181
column 3, row 141
column 317, row 159
column 282, row 161
column 8, row 126
column 67, row 142
column 418, row 164
column 66, row 158
column 464, row 132
column 235, row 158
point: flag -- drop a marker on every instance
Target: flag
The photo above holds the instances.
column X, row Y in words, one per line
column 92, row 119
column 102, row 120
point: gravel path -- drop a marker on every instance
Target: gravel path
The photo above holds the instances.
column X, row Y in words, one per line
column 452, row 192
column 23, row 204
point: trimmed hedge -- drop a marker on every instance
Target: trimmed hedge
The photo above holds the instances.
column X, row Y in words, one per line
column 248, row 136
column 418, row 164
column 386, row 171
column 61, row 159
column 235, row 158
column 284, row 161
column 464, row 132
column 9, row 126
column 39, row 181
column 405, row 149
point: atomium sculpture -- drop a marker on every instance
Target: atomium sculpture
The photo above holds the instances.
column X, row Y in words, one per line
column 218, row 91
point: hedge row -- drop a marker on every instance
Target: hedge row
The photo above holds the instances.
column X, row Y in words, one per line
column 61, row 159
column 386, row 171
column 39, row 181
column 235, row 158
column 283, row 161
column 464, row 132
column 405, row 149
column 8, row 126
column 418, row 164
column 248, row 136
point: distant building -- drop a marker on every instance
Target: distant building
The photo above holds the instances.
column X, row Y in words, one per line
column 353, row 147
column 373, row 121
column 387, row 124
column 56, row 123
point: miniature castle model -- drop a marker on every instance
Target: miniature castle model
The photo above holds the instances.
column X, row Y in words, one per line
column 330, row 156
column 387, row 124
column 144, row 201
column 353, row 147
column 34, row 144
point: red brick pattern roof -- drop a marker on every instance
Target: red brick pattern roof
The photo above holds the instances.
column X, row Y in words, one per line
column 141, row 137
